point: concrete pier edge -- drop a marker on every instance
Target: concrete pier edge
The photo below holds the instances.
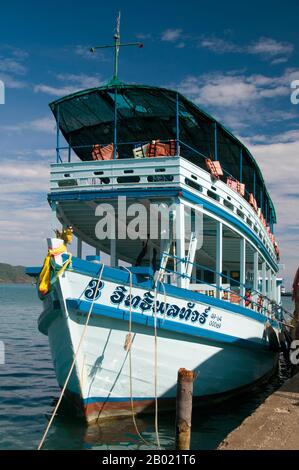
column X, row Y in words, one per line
column 274, row 425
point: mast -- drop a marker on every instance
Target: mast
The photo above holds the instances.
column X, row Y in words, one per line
column 116, row 46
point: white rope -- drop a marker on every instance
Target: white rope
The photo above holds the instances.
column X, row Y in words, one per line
column 73, row 363
column 128, row 346
column 156, row 372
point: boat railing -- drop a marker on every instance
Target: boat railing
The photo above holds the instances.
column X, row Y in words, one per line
column 252, row 299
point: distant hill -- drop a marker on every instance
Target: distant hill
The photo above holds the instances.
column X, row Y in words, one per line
column 15, row 274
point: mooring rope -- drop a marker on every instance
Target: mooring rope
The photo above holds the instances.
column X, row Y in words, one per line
column 128, row 347
column 156, row 372
column 73, row 363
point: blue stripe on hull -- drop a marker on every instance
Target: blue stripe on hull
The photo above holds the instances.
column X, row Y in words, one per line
column 120, row 314
column 121, row 276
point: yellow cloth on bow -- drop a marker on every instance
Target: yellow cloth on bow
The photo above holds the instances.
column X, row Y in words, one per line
column 45, row 275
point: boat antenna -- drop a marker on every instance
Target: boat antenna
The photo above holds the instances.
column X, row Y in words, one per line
column 117, row 44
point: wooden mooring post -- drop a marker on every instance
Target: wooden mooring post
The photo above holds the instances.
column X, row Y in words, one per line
column 184, row 409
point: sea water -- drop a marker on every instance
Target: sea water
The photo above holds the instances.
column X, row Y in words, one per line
column 28, row 391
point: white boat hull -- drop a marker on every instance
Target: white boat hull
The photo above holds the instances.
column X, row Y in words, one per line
column 226, row 349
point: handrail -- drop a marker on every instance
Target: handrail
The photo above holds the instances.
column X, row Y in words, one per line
column 263, row 297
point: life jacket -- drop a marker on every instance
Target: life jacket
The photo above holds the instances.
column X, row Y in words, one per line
column 253, row 202
column 214, row 168
column 236, row 186
column 103, row 152
column 160, row 149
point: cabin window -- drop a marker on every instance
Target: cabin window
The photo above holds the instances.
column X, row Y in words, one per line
column 194, row 177
column 71, row 182
column 159, row 178
column 159, row 170
column 97, row 173
column 228, row 204
column 240, row 213
column 213, row 195
column 128, row 179
column 193, row 185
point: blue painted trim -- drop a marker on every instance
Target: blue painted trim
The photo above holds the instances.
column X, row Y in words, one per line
column 122, row 276
column 104, row 193
column 165, row 324
column 33, row 271
column 86, row 401
column 170, row 192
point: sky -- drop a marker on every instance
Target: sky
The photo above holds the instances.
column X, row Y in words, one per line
column 236, row 60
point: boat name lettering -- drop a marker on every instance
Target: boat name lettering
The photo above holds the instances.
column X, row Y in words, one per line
column 147, row 303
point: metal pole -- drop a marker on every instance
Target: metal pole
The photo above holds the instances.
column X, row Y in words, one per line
column 115, row 125
column 184, row 409
column 215, row 142
column 219, row 249
column 242, row 269
column 177, row 125
column 57, row 135
column 69, row 150
column 255, row 275
column 264, row 274
column 241, row 165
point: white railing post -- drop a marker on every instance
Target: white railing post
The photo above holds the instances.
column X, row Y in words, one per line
column 79, row 247
column 255, row 277
column 242, row 269
column 219, row 256
column 180, row 242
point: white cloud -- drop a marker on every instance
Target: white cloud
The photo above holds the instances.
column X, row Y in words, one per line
column 266, row 48
column 11, row 82
column 44, row 124
column 235, row 88
column 55, row 91
column 12, row 67
column 277, row 157
column 270, row 48
column 171, row 35
column 73, row 82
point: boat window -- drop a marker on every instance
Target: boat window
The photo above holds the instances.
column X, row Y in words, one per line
column 249, row 222
column 96, row 173
column 159, row 170
column 193, row 185
column 228, row 204
column 194, row 177
column 255, row 229
column 128, row 179
column 240, row 213
column 71, row 182
column 159, row 178
column 213, row 195
column 128, row 171
column 229, row 198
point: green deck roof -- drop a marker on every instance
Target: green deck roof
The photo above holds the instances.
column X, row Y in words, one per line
column 145, row 113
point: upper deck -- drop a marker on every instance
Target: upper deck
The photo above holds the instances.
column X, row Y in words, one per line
column 130, row 115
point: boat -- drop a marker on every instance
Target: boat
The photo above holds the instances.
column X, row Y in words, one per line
column 190, row 281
